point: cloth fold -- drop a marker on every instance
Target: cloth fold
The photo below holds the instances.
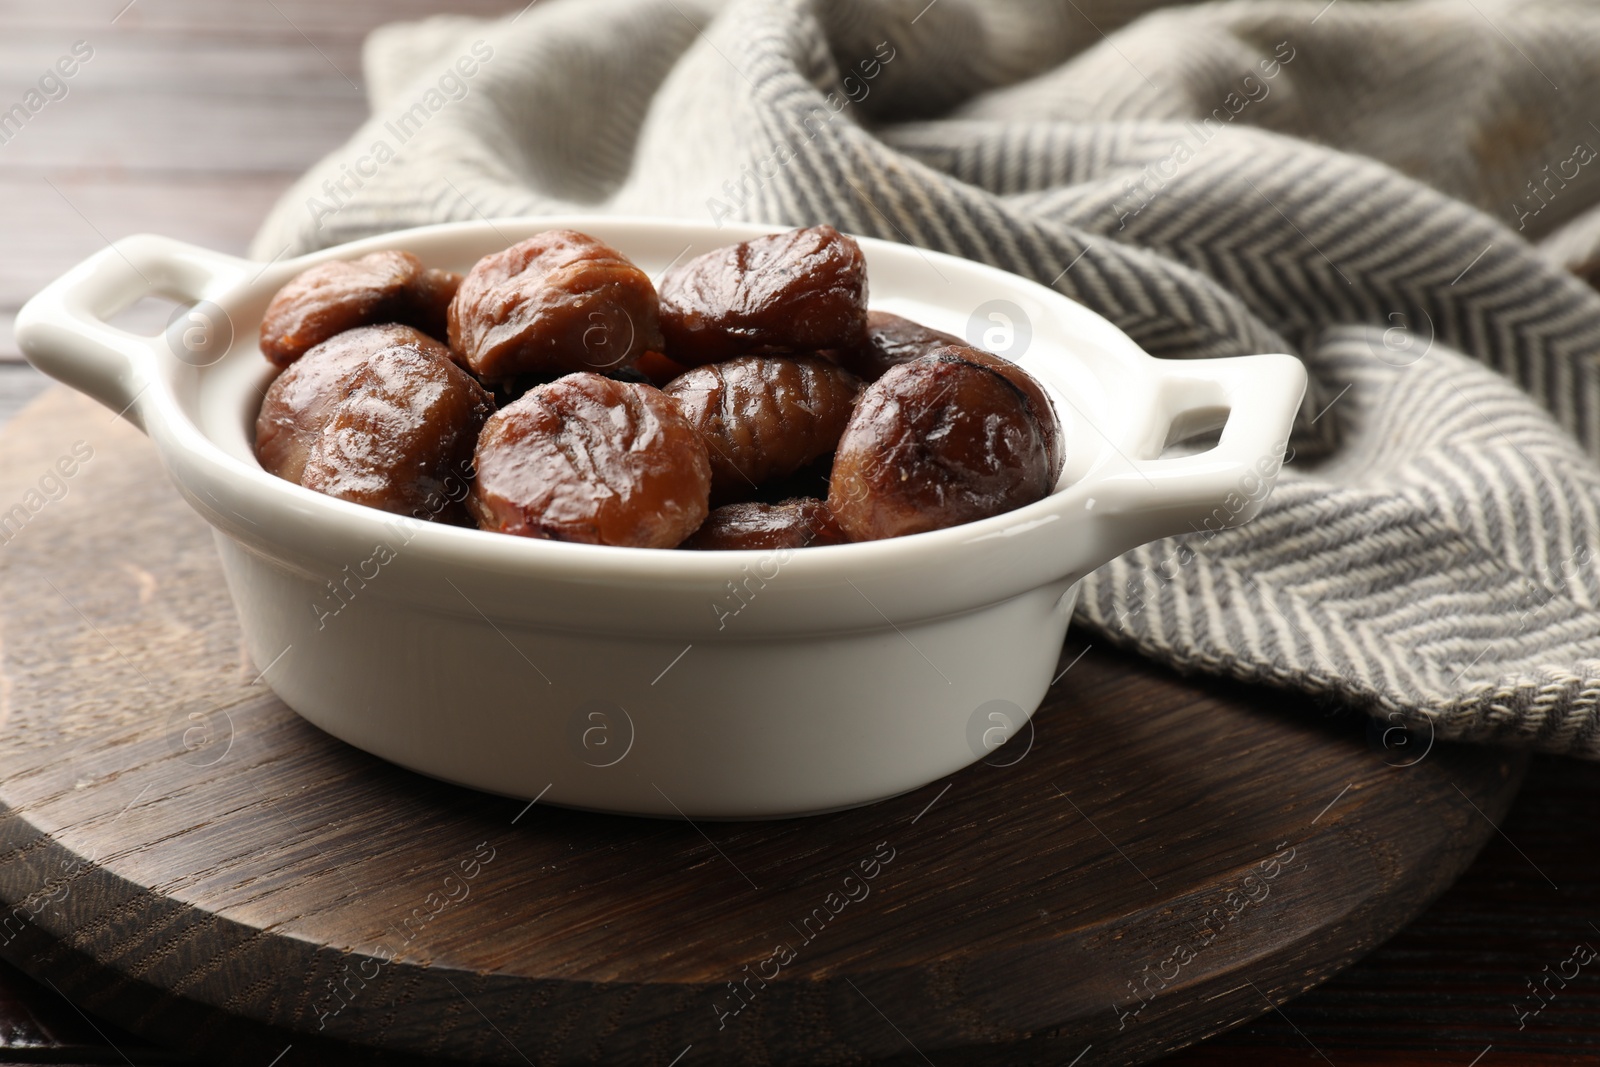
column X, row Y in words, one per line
column 1361, row 184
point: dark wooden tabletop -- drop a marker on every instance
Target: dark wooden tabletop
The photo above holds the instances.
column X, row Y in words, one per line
column 191, row 116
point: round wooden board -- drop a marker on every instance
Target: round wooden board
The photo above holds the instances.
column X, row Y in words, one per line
column 181, row 853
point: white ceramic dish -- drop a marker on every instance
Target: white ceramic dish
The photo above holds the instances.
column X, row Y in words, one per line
column 705, row 684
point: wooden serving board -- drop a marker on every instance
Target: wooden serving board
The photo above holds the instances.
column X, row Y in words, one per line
column 181, row 853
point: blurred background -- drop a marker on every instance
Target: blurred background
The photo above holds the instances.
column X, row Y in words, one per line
column 188, row 118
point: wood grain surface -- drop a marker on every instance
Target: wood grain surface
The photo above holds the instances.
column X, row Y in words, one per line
column 164, row 138
column 1158, row 862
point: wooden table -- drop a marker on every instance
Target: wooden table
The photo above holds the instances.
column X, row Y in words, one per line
column 190, row 118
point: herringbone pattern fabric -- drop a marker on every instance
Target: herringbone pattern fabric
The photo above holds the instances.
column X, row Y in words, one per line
column 1358, row 183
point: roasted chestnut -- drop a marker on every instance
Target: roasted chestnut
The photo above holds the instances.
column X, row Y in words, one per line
column 330, row 298
column 787, row 292
column 591, row 459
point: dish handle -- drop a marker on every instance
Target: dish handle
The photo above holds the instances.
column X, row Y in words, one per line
column 63, row 330
column 1254, row 399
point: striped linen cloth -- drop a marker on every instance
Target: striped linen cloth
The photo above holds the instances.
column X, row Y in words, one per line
column 1397, row 192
